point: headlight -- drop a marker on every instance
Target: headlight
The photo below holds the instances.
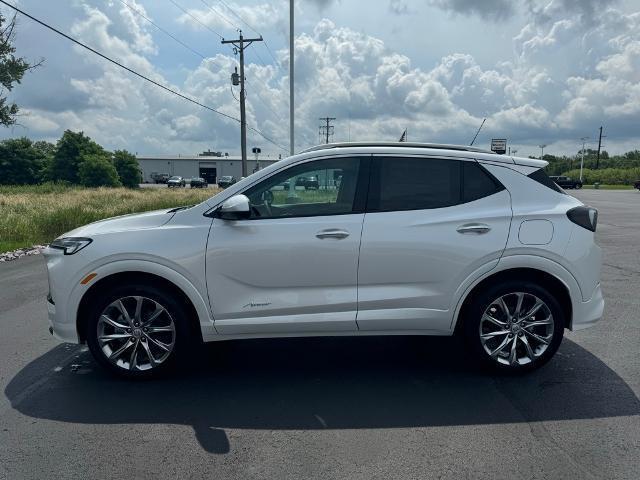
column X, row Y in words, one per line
column 70, row 245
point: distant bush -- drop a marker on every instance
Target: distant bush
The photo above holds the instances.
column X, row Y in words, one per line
column 609, row 176
column 97, row 170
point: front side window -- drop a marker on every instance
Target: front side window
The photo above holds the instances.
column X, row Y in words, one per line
column 321, row 187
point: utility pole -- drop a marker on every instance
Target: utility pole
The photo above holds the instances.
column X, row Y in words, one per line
column 584, row 141
column 599, row 146
column 542, row 151
column 326, row 130
column 291, row 71
column 240, row 44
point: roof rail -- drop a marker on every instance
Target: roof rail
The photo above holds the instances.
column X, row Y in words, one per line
column 435, row 146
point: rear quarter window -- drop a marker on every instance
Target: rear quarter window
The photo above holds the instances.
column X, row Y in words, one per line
column 477, row 183
column 541, row 177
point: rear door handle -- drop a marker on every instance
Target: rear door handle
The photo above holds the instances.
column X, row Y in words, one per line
column 477, row 228
column 332, row 233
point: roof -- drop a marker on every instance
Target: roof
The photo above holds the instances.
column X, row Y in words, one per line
column 436, row 146
column 443, row 149
column 181, row 158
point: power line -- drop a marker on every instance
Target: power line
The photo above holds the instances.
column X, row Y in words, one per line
column 239, row 17
column 216, row 12
column 138, row 12
column 251, row 28
column 130, row 70
column 262, row 101
column 196, row 19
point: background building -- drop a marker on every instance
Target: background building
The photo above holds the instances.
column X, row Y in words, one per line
column 208, row 165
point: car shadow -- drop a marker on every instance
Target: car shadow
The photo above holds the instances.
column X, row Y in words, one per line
column 316, row 383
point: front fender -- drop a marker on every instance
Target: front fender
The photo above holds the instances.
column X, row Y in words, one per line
column 197, row 299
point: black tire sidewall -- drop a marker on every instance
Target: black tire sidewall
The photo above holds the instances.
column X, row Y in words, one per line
column 480, row 303
column 164, row 298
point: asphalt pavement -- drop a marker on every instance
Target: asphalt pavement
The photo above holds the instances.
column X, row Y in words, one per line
column 356, row 408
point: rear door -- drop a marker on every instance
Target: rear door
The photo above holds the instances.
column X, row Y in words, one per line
column 430, row 223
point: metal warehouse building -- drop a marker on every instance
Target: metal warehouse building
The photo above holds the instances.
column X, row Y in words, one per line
column 208, row 165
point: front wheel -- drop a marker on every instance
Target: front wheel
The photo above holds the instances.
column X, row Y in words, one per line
column 137, row 331
column 515, row 327
column 578, row 186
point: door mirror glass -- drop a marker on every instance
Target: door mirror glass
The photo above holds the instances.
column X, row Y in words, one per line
column 234, row 208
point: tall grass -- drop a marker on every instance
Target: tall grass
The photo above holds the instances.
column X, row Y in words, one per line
column 36, row 214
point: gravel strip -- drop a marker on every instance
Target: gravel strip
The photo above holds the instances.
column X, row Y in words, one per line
column 21, row 252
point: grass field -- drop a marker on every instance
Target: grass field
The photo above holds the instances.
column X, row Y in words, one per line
column 611, row 187
column 32, row 215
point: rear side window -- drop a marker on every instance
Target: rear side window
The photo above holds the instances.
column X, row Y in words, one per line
column 541, row 177
column 477, row 182
column 414, row 184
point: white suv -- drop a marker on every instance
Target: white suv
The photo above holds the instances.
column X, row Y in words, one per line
column 408, row 239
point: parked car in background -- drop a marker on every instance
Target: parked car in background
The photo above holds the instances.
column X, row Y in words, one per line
column 199, row 182
column 226, row 181
column 309, row 183
column 417, row 240
column 176, row 181
column 637, row 184
column 567, row 182
column 159, row 177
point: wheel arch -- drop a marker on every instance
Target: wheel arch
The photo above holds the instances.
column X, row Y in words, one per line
column 129, row 277
column 552, row 283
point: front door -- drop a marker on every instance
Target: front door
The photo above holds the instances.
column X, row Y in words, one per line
column 430, row 223
column 292, row 267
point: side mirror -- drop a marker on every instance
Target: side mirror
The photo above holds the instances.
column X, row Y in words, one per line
column 234, row 208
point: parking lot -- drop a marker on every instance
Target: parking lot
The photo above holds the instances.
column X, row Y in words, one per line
column 358, row 408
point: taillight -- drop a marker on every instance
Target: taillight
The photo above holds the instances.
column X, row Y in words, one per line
column 586, row 217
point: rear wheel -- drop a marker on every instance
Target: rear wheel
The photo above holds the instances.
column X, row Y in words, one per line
column 137, row 331
column 578, row 186
column 516, row 326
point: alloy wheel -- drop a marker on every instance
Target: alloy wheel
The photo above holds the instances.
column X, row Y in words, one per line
column 516, row 329
column 136, row 333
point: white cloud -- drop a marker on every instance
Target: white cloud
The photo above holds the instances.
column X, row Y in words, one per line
column 568, row 75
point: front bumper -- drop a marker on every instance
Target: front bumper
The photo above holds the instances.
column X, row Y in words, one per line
column 586, row 314
column 65, row 332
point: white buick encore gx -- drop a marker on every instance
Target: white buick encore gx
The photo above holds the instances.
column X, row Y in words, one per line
column 397, row 239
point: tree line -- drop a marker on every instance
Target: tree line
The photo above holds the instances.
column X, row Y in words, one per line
column 615, row 169
column 75, row 159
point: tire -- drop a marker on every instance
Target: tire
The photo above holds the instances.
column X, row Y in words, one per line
column 506, row 359
column 166, row 344
column 578, row 186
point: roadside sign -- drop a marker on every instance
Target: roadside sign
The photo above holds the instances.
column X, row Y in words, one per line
column 499, row 145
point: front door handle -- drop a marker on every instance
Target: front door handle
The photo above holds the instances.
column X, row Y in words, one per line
column 476, row 228
column 332, row 233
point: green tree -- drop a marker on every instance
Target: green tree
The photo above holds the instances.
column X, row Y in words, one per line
column 127, row 167
column 70, row 150
column 97, row 170
column 12, row 70
column 21, row 161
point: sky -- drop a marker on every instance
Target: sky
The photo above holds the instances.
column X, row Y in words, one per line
column 542, row 72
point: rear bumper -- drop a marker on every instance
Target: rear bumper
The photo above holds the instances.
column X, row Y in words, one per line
column 586, row 314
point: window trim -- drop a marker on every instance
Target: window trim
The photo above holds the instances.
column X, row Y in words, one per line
column 376, row 174
column 360, row 195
